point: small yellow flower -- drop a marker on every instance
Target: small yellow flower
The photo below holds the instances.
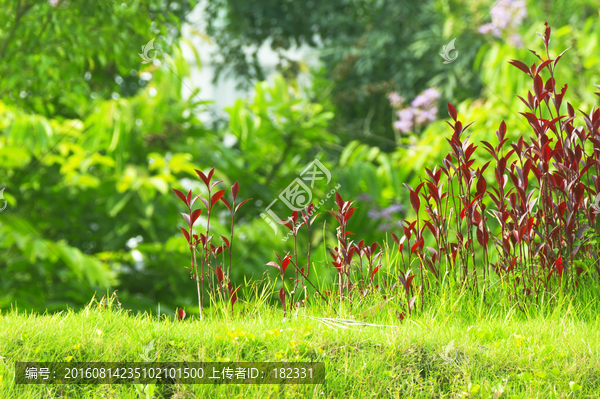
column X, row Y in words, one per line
column 272, row 333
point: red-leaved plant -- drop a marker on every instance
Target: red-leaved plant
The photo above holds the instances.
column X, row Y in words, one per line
column 208, row 249
column 544, row 230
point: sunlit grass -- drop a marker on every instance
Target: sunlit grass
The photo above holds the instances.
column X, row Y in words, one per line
column 454, row 348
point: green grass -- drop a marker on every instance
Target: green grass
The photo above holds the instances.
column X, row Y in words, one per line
column 545, row 352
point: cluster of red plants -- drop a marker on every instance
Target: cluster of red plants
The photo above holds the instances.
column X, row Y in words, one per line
column 534, row 226
column 542, row 199
column 342, row 255
column 202, row 244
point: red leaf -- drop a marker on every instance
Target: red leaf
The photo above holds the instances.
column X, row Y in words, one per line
column 375, row 271
column 338, row 266
column 415, row 201
column 216, row 197
column 240, row 205
column 180, row 314
column 288, row 223
column 219, row 273
column 416, row 245
column 232, row 294
column 187, row 219
column 452, row 111
column 203, row 177
column 543, row 65
column 234, row 190
column 481, row 185
column 275, row 265
column 195, row 215
column 481, row 238
column 521, row 66
column 215, row 183
column 226, row 203
column 559, row 266
column 185, row 234
column 226, row 240
column 395, row 237
column 349, row 214
column 373, row 247
column 284, row 264
column 181, row 196
column 210, row 174
column 205, row 202
column 338, row 200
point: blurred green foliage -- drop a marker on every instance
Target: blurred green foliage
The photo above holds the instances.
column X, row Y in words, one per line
column 46, row 48
column 369, row 48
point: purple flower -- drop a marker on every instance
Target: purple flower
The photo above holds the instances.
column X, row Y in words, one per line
column 431, row 114
column 423, row 110
column 395, row 208
column 395, row 99
column 506, row 14
column 420, row 101
column 485, row 29
column 516, row 40
column 373, row 214
column 403, row 126
column 432, row 93
column 426, row 99
column 421, row 117
column 364, row 197
column 406, row 114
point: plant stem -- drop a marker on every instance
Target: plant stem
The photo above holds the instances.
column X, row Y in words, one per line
column 198, row 286
column 231, row 242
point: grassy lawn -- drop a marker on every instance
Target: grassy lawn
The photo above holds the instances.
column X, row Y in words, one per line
column 454, row 349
